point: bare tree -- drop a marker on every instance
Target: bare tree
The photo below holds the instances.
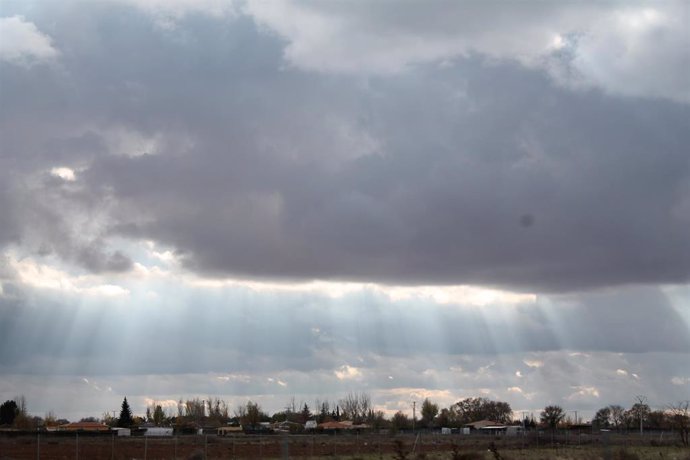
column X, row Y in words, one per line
column 217, row 409
column 254, row 414
column 21, row 405
column 195, row 409
column 617, row 416
column 602, row 419
column 472, row 409
column 241, row 412
column 679, row 417
column 429, row 412
column 356, row 406
column 552, row 416
column 640, row 411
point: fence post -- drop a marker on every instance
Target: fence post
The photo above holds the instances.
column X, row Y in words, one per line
column 146, row 447
column 112, row 447
column 77, row 452
column 285, row 448
column 38, row 446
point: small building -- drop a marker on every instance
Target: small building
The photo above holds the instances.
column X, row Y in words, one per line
column 311, row 425
column 495, row 429
column 478, row 425
column 287, row 427
column 514, row 430
column 158, row 431
column 334, row 426
column 230, row 431
column 122, row 431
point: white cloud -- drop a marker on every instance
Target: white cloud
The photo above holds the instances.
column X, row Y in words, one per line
column 22, row 43
column 42, row 276
column 167, row 13
column 64, row 173
column 680, row 380
column 638, row 50
column 347, row 372
column 584, row 392
column 533, row 363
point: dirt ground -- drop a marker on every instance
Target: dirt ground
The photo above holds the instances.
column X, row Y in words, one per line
column 350, row 447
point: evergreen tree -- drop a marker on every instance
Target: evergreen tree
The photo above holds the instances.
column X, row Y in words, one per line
column 125, row 420
column 8, row 412
column 306, row 414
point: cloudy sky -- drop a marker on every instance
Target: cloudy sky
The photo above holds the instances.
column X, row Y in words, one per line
column 262, row 200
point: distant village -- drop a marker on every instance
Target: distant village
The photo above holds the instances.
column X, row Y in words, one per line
column 352, row 414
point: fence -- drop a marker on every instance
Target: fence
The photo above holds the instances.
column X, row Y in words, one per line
column 110, row 447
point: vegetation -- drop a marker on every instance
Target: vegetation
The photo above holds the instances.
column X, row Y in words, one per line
column 357, row 408
column 125, row 420
column 552, row 416
column 8, row 412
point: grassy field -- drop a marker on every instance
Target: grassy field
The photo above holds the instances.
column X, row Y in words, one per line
column 345, row 447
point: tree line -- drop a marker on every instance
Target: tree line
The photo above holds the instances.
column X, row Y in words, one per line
column 358, row 409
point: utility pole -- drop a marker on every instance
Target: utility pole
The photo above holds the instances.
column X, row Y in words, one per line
column 414, row 413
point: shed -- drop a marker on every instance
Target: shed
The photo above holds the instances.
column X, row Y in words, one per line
column 158, row 431
column 123, row 431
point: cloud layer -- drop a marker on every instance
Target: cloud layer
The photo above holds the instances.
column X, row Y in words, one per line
column 256, row 199
column 483, row 170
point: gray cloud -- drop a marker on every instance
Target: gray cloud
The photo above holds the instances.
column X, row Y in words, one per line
column 422, row 177
column 634, row 49
column 252, row 151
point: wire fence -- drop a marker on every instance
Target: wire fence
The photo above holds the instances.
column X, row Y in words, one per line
column 206, row 447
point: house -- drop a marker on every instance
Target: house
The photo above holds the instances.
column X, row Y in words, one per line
column 487, row 426
column 84, row 426
column 344, row 425
column 334, row 426
column 482, row 424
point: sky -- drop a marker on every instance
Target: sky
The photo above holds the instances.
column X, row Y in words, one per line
column 263, row 201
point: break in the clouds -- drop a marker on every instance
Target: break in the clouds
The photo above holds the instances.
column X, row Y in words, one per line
column 477, row 182
column 164, row 334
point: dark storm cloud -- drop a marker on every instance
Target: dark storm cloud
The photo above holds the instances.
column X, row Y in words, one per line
column 419, row 177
